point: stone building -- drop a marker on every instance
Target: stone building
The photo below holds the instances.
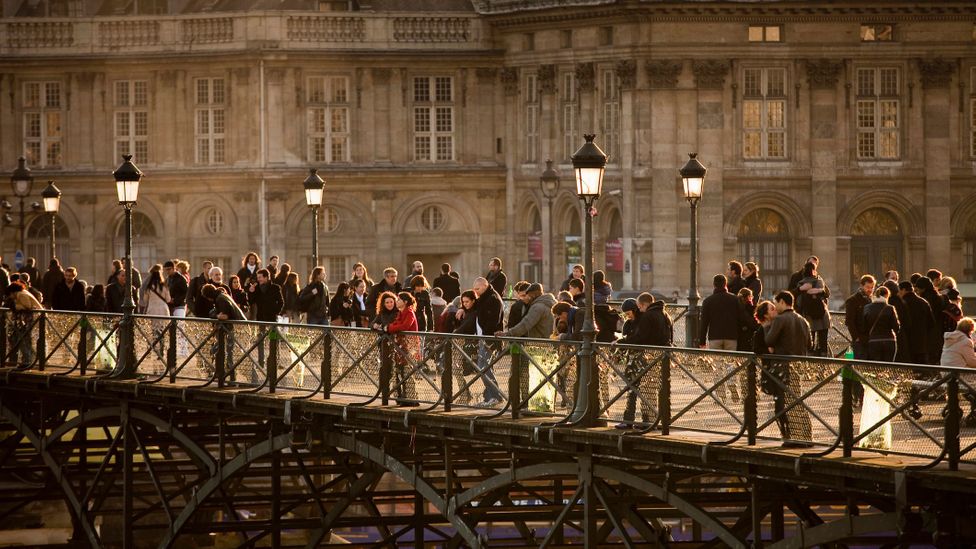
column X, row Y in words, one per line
column 842, row 129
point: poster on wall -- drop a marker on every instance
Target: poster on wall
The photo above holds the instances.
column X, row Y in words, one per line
column 535, row 247
column 574, row 252
column 614, row 250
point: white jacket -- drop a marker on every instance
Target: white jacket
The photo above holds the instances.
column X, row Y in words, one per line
column 958, row 350
column 156, row 305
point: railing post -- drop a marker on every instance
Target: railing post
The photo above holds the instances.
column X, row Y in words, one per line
column 515, row 379
column 749, row 403
column 953, row 418
column 171, row 351
column 272, row 366
column 326, row 373
column 221, row 359
column 83, row 345
column 664, row 394
column 386, row 369
column 447, row 374
column 41, row 341
column 847, row 409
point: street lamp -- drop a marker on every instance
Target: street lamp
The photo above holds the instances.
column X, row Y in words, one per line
column 589, row 163
column 21, row 181
column 549, row 182
column 693, row 182
column 51, row 196
column 127, row 178
column 314, row 189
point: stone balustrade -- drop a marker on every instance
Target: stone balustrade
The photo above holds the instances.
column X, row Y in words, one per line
column 26, row 37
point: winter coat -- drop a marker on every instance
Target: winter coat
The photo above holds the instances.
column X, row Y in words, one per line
column 239, row 296
column 490, row 311
column 957, row 351
column 268, row 302
column 935, row 330
column 340, row 308
column 813, row 307
column 653, row 327
column 360, row 312
column 246, row 276
column 537, row 320
column 115, row 295
column 747, row 326
column 719, row 316
column 424, row 311
column 225, row 304
column 498, row 280
column 25, row 301
column 754, row 283
column 853, row 314
column 788, row 334
column 315, row 305
column 376, row 290
column 917, row 324
column 450, row 285
column 178, row 288
column 406, row 321
column 601, row 294
column 879, row 321
column 156, row 301
column 69, row 299
column 52, row 278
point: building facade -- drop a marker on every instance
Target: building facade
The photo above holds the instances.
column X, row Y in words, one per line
column 845, row 130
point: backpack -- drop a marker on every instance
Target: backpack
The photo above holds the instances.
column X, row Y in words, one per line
column 306, row 301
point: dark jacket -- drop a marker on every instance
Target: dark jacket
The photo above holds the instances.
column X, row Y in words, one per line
column 32, row 273
column 754, row 283
column 93, row 305
column 361, row 313
column 424, row 311
column 516, row 312
column 653, row 327
column 246, row 276
column 879, row 321
column 747, row 326
column 225, row 304
column 240, row 298
column 65, row 299
column 268, row 302
column 498, row 280
column 376, row 290
column 490, row 311
column 341, row 307
column 918, row 324
column 788, row 334
column 449, row 285
column 719, row 316
column 736, row 283
column 574, row 325
column 853, row 313
column 536, row 322
column 199, row 307
column 178, row 288
column 935, row 339
column 315, row 305
column 52, row 278
column 115, row 296
column 290, row 293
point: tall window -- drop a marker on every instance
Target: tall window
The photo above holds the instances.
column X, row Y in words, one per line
column 531, row 117
column 328, row 119
column 38, row 244
column 569, row 106
column 42, row 123
column 765, row 239
column 609, row 114
column 764, row 113
column 132, row 119
column 433, row 119
column 877, row 113
column 210, row 120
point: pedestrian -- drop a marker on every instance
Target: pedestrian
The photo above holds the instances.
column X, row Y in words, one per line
column 490, row 311
column 650, row 325
column 734, row 276
column 951, row 303
column 53, row 277
column 359, row 273
column 341, row 306
column 408, row 352
column 812, row 304
column 958, row 350
column 226, row 309
column 265, row 297
column 272, row 267
column 23, row 304
column 422, row 306
column 853, row 316
column 115, row 293
column 116, row 267
column 282, row 277
column 69, row 294
column 719, row 324
column 95, row 302
column 934, row 338
column 155, row 302
column 788, row 333
column 463, row 319
column 747, row 320
column 448, row 282
column 202, row 305
column 577, row 289
column 30, row 270
column 437, row 304
column 917, row 324
column 360, row 313
column 798, row 275
column 290, row 289
column 496, row 276
column 238, row 294
column 250, row 264
column 314, row 298
column 418, row 269
column 604, row 316
column 751, row 273
column 388, row 284
column 533, row 316
column 879, row 321
column 193, row 292
column 178, row 286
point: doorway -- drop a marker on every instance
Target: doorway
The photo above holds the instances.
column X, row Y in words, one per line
column 877, row 244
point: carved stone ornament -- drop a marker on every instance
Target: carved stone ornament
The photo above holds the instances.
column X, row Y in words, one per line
column 664, row 73
column 486, row 75
column 510, row 80
column 381, row 76
column 547, row 78
column 710, row 74
column 276, row 196
column 823, row 74
column 86, row 198
column 586, row 76
column 626, row 73
column 935, row 73
column 384, row 195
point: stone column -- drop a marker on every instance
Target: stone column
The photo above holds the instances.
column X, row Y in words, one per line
column 548, row 100
column 627, row 78
column 91, row 267
column 376, row 115
column 663, row 157
column 935, row 75
column 276, row 222
column 480, row 124
column 170, row 212
column 510, row 84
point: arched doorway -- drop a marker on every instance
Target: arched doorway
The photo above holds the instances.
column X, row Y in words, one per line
column 764, row 238
column 143, row 241
column 877, row 243
column 38, row 241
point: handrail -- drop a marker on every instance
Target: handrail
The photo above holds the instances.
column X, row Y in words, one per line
column 729, row 396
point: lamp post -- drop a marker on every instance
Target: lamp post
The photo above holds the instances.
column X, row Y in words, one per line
column 21, row 182
column 549, row 182
column 693, row 182
column 314, row 188
column 127, row 178
column 51, row 196
column 589, row 163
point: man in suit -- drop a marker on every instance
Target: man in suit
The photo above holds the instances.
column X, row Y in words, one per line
column 788, row 333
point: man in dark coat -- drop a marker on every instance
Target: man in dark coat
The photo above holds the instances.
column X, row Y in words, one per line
column 178, row 288
column 53, row 277
column 490, row 311
column 193, row 292
column 496, row 276
column 266, row 297
column 450, row 285
column 735, row 280
column 388, row 284
column 789, row 334
column 917, row 323
column 69, row 295
column 115, row 293
column 853, row 309
column 719, row 318
column 653, row 327
column 934, row 340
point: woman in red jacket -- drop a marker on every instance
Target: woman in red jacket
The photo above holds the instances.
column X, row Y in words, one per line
column 406, row 321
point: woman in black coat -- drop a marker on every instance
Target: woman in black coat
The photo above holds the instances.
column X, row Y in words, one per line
column 424, row 310
column 340, row 308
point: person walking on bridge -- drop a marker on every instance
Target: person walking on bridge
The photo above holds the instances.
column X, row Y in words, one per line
column 789, row 334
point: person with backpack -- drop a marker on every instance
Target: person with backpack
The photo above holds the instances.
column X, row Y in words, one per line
column 313, row 300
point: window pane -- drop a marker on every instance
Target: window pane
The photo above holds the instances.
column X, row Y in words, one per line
column 755, row 34
column 53, row 95
column 203, row 121
column 752, row 144
column 203, row 151
column 752, row 82
column 889, row 82
column 340, row 92
column 32, row 124
column 140, row 93
column 421, row 89
column 776, row 112
column 865, row 144
column 776, row 86
column 421, row 147
column 142, row 150
column 443, row 88
column 445, row 119
column 33, row 152
column 316, row 120
column 122, row 147
column 889, row 144
column 316, row 89
column 218, row 150
column 339, row 120
column 865, row 114
column 54, row 153
column 445, row 147
column 777, row 145
column 203, row 91
column 865, row 81
column 122, row 124
column 751, row 114
column 122, row 93
column 218, row 121
column 53, row 124
column 421, row 119
column 218, row 90
column 772, row 34
column 318, row 149
column 338, row 149
column 141, row 123
column 889, row 114
column 32, row 94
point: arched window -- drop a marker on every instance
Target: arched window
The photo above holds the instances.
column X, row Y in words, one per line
column 143, row 241
column 432, row 219
column 876, row 244
column 764, row 239
column 37, row 242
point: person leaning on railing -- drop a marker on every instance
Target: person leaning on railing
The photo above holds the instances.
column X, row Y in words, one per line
column 958, row 349
column 24, row 304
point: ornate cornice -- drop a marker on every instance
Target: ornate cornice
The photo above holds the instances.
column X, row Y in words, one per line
column 381, row 75
column 626, row 70
column 710, row 74
column 384, row 195
column 935, row 73
column 586, row 76
column 664, row 73
column 547, row 78
column 486, row 75
column 823, row 74
column 510, row 80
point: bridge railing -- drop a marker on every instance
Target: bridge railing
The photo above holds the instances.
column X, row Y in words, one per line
column 715, row 396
